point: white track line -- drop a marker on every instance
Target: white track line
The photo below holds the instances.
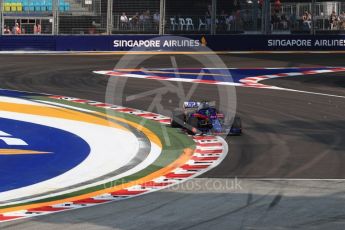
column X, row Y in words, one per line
column 306, row 92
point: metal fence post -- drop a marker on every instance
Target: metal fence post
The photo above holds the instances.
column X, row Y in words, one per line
column 1, row 17
column 55, row 17
column 312, row 31
column 263, row 17
column 110, row 18
column 213, row 17
column 255, row 11
column 162, row 8
column 267, row 17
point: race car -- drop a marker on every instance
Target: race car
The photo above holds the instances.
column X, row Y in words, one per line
column 200, row 118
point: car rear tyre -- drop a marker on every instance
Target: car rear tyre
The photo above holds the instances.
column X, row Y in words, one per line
column 193, row 126
column 177, row 119
column 236, row 128
column 237, row 123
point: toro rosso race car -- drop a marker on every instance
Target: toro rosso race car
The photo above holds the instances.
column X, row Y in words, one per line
column 200, row 118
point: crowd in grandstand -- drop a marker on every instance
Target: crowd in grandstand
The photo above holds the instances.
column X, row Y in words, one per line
column 337, row 21
column 140, row 21
column 147, row 21
column 224, row 21
column 281, row 22
column 233, row 16
column 238, row 19
column 17, row 29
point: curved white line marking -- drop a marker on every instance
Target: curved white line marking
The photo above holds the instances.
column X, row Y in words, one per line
column 110, row 149
column 153, row 155
column 307, row 92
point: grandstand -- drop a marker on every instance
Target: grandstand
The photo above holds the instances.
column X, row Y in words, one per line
column 176, row 17
column 27, row 6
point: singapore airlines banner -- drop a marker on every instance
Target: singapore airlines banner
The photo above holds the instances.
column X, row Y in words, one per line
column 215, row 42
column 175, row 43
column 235, row 43
column 276, row 42
column 304, row 43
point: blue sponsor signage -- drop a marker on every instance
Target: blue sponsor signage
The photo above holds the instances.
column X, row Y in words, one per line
column 155, row 42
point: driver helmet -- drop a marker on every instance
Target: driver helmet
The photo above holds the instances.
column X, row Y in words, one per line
column 204, row 105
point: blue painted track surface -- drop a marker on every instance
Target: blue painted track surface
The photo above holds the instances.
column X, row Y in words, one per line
column 66, row 151
column 13, row 93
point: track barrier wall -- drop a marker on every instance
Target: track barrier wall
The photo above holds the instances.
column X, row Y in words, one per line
column 214, row 42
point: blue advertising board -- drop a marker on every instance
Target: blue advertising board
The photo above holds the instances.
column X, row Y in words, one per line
column 190, row 42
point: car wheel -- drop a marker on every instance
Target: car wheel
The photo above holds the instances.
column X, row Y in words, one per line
column 237, row 123
column 192, row 125
column 177, row 119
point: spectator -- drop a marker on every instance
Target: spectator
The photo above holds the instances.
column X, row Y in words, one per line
column 284, row 22
column 333, row 20
column 277, row 6
column 209, row 9
column 293, row 21
column 37, row 28
column 246, row 17
column 222, row 20
column 142, row 21
column 342, row 16
column 7, row 30
column 156, row 17
column 231, row 21
column 306, row 20
column 261, row 3
column 147, row 19
column 156, row 20
column 123, row 21
column 208, row 19
column 92, row 30
column 239, row 21
column 237, row 5
column 135, row 20
column 16, row 29
column 275, row 21
column 342, row 20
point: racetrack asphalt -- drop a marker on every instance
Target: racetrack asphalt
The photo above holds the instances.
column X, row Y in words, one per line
column 288, row 135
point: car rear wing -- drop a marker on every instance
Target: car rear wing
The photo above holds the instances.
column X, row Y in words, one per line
column 191, row 105
column 196, row 104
